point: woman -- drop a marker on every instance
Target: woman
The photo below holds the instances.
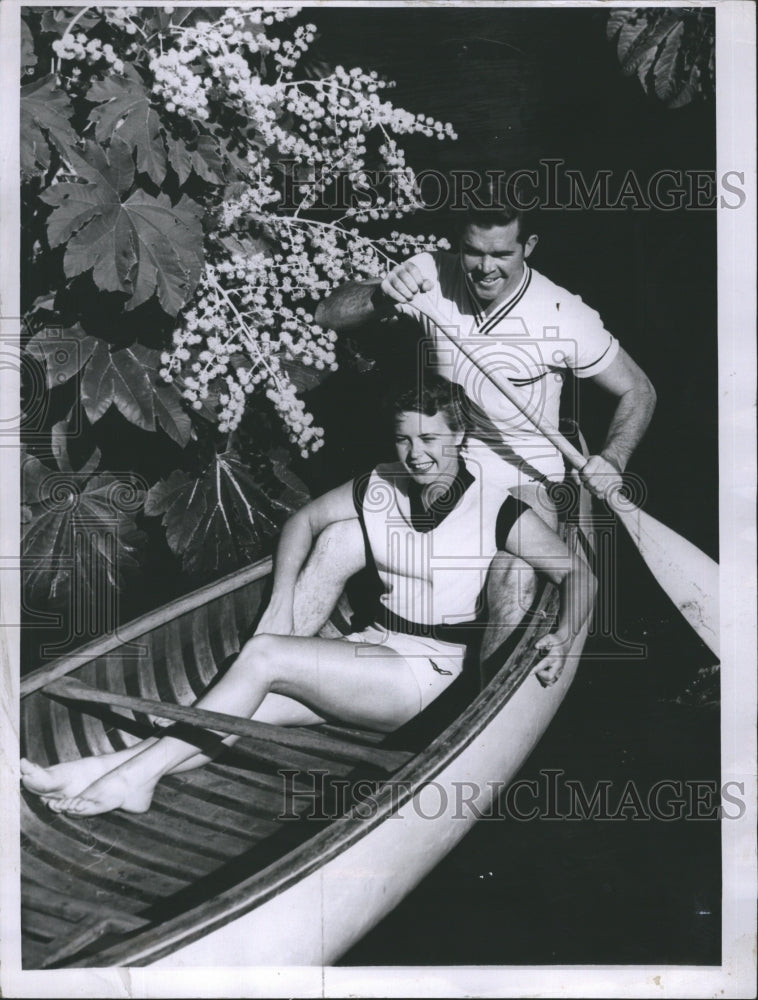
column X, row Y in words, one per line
column 432, row 529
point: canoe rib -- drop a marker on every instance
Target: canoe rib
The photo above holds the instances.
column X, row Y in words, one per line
column 147, row 623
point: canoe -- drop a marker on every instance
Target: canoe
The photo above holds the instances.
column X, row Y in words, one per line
column 290, row 847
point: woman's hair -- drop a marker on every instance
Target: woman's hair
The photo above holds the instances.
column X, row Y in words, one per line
column 431, row 394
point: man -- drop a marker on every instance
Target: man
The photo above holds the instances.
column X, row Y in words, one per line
column 533, row 331
column 516, row 321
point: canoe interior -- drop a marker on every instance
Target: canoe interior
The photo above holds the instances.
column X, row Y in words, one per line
column 89, row 885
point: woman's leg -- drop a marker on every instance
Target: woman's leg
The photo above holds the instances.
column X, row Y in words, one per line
column 60, row 781
column 337, row 554
column 360, row 684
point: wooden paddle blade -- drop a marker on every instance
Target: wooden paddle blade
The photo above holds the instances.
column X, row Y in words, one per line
column 688, row 575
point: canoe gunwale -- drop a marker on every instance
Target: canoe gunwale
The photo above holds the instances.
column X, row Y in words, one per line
column 103, row 645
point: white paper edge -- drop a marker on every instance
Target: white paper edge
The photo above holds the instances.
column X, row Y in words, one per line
column 735, row 49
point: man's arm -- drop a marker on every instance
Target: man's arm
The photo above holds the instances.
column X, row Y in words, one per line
column 350, row 305
column 625, row 380
column 294, row 546
column 532, row 540
column 354, row 303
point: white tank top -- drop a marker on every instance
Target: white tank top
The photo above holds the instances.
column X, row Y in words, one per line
column 432, row 565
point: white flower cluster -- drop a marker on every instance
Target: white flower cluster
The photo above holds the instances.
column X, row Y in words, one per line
column 79, row 48
column 245, row 332
column 241, row 336
column 258, row 200
column 121, row 17
column 326, row 121
column 251, row 329
column 182, row 90
column 290, row 52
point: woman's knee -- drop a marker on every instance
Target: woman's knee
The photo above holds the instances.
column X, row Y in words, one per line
column 262, row 654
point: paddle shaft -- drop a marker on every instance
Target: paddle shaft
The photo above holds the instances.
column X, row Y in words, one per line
column 70, row 688
column 522, row 404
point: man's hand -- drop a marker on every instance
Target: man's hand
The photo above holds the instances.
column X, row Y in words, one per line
column 276, row 620
column 550, row 667
column 404, row 283
column 601, row 477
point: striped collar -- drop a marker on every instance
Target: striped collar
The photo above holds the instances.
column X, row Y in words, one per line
column 486, row 323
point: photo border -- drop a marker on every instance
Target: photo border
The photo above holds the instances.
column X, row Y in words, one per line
column 735, row 977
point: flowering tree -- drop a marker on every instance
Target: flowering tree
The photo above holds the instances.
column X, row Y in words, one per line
column 194, row 180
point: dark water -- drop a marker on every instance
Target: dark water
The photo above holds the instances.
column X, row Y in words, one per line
column 627, row 890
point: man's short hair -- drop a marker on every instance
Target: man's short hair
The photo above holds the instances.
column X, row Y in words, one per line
column 505, row 200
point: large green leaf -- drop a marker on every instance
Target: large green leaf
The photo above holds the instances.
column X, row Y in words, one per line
column 636, row 23
column 45, row 114
column 687, row 90
column 141, row 246
column 64, row 351
column 664, row 72
column 119, row 378
column 171, row 415
column 57, row 19
column 28, row 58
column 670, row 50
column 124, row 111
column 205, row 159
column 179, row 157
column 218, row 520
column 170, row 249
column 295, row 493
column 80, row 539
column 77, row 204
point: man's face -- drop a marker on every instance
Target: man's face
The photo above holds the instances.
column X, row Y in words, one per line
column 493, row 259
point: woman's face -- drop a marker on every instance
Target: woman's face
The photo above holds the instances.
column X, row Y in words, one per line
column 427, row 447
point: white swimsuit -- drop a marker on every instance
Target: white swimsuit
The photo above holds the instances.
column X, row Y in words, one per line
column 432, row 565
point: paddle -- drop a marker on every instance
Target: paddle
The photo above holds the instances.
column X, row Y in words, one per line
column 296, row 738
column 688, row 575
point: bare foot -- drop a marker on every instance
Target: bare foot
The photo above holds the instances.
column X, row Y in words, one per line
column 118, row 789
column 61, row 781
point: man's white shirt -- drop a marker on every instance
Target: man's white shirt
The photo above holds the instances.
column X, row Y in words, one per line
column 535, row 337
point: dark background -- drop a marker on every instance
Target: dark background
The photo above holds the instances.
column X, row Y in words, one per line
column 520, row 85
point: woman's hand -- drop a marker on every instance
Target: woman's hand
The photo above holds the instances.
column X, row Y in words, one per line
column 550, row 667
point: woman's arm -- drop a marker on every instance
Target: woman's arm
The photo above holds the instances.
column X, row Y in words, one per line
column 533, row 541
column 294, row 547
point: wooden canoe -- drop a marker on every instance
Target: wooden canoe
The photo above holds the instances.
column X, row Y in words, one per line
column 218, row 872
